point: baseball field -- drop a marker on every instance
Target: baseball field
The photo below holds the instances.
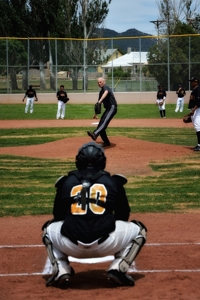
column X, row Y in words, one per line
column 164, row 194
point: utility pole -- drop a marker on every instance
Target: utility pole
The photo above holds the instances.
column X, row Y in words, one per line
column 157, row 23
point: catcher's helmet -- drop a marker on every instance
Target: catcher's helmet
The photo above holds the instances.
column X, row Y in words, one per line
column 91, row 155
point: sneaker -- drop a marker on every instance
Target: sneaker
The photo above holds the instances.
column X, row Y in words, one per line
column 120, row 278
column 105, row 144
column 197, row 148
column 61, row 280
column 92, row 135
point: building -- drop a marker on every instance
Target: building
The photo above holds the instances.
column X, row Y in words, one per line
column 132, row 60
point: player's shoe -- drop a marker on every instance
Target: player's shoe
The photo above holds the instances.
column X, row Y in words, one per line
column 60, row 280
column 92, row 135
column 120, row 278
column 105, row 144
column 197, row 148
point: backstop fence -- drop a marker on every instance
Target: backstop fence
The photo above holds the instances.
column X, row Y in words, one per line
column 128, row 63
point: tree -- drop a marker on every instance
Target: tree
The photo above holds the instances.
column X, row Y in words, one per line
column 173, row 12
column 178, row 56
column 80, row 19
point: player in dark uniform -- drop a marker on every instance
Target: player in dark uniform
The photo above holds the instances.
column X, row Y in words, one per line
column 194, row 106
column 180, row 101
column 62, row 100
column 106, row 97
column 31, row 97
column 91, row 214
column 160, row 102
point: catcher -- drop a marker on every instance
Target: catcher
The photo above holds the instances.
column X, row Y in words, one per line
column 106, row 97
column 160, row 102
column 90, row 219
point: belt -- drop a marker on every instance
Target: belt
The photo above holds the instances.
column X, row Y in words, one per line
column 100, row 241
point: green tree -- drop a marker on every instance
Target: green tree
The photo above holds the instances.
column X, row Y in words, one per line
column 119, row 72
column 178, row 57
column 80, row 19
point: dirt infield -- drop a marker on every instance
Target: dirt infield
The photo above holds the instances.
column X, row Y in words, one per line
column 168, row 267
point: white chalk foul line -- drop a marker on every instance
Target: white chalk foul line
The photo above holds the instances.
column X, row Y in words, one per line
column 150, row 244
column 136, row 271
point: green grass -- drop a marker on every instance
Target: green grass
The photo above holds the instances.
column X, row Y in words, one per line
column 85, row 111
column 27, row 186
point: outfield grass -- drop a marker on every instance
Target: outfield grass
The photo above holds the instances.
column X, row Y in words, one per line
column 85, row 111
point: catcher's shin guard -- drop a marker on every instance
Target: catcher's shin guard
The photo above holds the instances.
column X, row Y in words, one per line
column 52, row 258
column 134, row 249
column 62, row 272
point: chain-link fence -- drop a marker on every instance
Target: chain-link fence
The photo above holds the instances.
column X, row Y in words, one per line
column 129, row 64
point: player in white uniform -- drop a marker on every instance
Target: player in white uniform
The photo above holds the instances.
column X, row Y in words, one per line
column 31, row 97
column 160, row 102
column 91, row 214
column 180, row 100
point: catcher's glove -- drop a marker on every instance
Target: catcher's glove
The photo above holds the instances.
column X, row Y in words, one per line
column 187, row 119
column 97, row 108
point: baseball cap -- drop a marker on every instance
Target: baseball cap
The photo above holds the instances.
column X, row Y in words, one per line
column 194, row 79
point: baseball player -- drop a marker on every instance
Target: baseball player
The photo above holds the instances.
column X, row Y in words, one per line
column 194, row 105
column 180, row 101
column 62, row 100
column 90, row 219
column 160, row 102
column 106, row 97
column 31, row 97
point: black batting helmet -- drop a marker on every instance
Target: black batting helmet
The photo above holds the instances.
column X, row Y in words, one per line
column 91, row 155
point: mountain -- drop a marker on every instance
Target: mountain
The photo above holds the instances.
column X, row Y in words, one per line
column 123, row 44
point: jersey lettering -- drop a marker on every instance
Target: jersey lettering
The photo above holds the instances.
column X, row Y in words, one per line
column 96, row 191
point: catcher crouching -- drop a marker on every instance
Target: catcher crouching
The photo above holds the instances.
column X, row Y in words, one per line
column 90, row 220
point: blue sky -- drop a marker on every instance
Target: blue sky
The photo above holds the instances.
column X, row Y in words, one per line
column 127, row 14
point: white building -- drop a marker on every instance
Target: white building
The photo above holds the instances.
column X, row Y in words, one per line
column 132, row 60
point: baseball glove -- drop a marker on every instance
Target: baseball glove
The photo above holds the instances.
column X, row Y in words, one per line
column 66, row 100
column 97, row 108
column 187, row 119
column 161, row 103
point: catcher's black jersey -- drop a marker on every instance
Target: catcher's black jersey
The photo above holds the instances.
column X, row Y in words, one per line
column 62, row 95
column 161, row 94
column 109, row 100
column 106, row 203
column 30, row 93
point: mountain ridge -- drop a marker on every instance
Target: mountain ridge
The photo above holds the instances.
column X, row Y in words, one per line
column 123, row 44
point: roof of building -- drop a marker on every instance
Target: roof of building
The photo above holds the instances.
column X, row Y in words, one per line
column 128, row 60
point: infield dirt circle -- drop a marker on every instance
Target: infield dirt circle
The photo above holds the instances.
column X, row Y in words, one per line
column 168, row 266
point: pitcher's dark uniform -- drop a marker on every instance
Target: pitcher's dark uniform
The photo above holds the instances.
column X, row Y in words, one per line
column 106, row 97
column 91, row 214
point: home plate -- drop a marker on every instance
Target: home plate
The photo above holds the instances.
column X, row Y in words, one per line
column 95, row 123
column 48, row 267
